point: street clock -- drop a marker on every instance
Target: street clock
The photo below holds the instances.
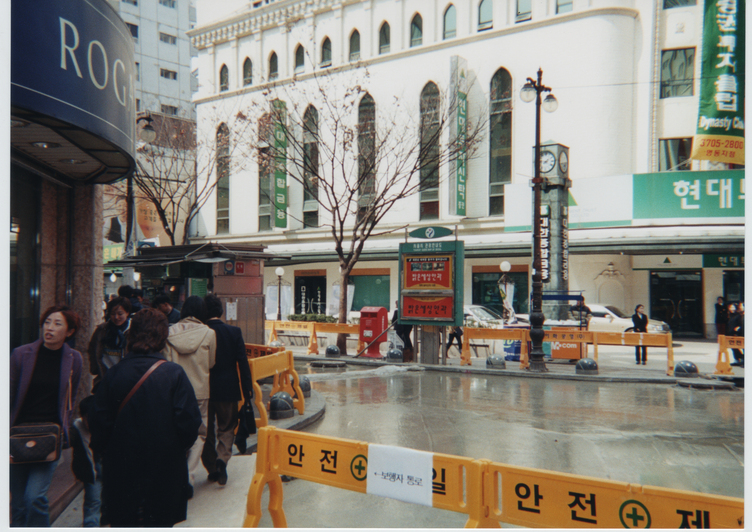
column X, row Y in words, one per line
column 554, row 163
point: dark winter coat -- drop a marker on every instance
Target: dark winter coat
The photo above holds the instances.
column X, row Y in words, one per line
column 143, row 448
column 230, row 356
column 735, row 325
column 721, row 313
column 22, row 361
column 640, row 322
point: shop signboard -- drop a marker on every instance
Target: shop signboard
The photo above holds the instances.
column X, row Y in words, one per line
column 713, row 260
column 431, row 282
column 280, row 164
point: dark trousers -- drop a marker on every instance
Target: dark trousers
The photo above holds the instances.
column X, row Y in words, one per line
column 220, row 433
column 720, row 328
column 452, row 337
column 644, row 353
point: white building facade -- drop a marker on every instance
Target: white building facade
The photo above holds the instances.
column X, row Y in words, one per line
column 646, row 224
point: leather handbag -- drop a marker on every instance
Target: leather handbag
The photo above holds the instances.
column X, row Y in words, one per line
column 35, row 442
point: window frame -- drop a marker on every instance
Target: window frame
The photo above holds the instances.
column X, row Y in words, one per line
column 564, row 6
column 168, row 74
column 169, row 110
column 669, row 86
column 168, row 3
column 366, row 159
column 299, row 59
column 485, row 24
column 310, row 159
column 419, row 25
column 222, row 163
column 224, row 78
column 447, row 33
column 133, row 29
column 168, row 39
column 681, row 3
column 430, row 152
column 273, row 66
column 354, row 55
column 666, row 152
column 326, row 47
column 247, row 72
column 500, row 112
column 523, row 16
column 384, row 38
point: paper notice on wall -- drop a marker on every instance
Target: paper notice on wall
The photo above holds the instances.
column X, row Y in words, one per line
column 399, row 473
column 231, row 311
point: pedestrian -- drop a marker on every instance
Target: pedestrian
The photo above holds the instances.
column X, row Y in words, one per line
column 85, row 466
column 127, row 291
column 193, row 345
column 736, row 328
column 581, row 312
column 403, row 331
column 44, row 377
column 640, row 322
column 107, row 345
column 162, row 303
column 721, row 317
column 144, row 419
column 224, row 392
column 455, row 333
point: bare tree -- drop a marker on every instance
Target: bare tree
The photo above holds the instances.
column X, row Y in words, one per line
column 357, row 159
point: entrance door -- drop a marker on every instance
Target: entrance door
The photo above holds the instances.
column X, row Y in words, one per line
column 676, row 298
column 310, row 295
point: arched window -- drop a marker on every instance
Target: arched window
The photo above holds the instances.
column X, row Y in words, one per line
column 416, row 31
column 299, row 59
column 450, row 22
column 266, row 172
column 223, row 179
column 310, row 167
column 247, row 72
column 326, row 53
column 355, row 46
column 366, row 152
column 429, row 152
column 273, row 67
column 500, row 171
column 384, row 38
column 485, row 15
column 224, row 78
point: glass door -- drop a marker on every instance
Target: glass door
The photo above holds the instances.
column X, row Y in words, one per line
column 676, row 298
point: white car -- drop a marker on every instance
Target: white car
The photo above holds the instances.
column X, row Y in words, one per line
column 608, row 318
column 480, row 316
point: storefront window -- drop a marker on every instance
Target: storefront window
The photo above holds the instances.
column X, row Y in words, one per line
column 486, row 291
column 370, row 291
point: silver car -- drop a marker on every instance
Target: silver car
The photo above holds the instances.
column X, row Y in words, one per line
column 608, row 318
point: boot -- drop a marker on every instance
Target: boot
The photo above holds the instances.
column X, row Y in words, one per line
column 407, row 355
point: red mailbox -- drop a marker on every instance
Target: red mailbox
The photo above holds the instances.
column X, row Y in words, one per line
column 373, row 322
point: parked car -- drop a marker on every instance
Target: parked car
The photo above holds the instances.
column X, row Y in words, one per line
column 480, row 316
column 608, row 318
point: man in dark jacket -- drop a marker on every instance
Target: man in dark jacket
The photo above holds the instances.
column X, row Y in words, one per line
column 224, row 391
column 143, row 442
column 163, row 304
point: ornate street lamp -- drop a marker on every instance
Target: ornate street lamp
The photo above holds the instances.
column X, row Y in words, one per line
column 280, row 271
column 532, row 90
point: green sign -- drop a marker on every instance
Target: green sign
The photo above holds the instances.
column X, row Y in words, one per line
column 462, row 154
column 714, row 194
column 720, row 127
column 197, row 287
column 280, row 164
column 712, row 260
column 430, row 232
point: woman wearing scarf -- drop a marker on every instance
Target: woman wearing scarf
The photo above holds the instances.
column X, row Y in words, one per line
column 107, row 345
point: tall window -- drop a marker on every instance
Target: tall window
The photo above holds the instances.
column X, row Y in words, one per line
column 273, row 68
column 355, row 46
column 429, row 152
column 247, row 72
column 299, row 59
column 524, row 10
column 266, row 172
column 668, row 4
column 500, row 171
column 677, row 72
column 326, row 53
column 224, row 78
column 416, row 31
column 310, row 167
column 485, row 15
column 450, row 22
column 384, row 38
column 563, row 6
column 674, row 154
column 223, row 179
column 366, row 151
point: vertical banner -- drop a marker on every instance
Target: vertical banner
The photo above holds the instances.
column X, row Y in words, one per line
column 720, row 128
column 280, row 164
column 545, row 243
column 458, row 132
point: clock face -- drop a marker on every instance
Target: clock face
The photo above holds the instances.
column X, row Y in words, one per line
column 547, row 161
column 563, row 162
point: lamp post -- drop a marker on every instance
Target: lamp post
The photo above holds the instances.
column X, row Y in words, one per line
column 148, row 135
column 503, row 280
column 280, row 271
column 532, row 90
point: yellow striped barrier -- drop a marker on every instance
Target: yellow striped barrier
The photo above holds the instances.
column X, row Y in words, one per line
column 723, row 366
column 488, row 493
column 637, row 339
column 281, row 367
column 255, row 350
column 312, row 329
column 476, row 333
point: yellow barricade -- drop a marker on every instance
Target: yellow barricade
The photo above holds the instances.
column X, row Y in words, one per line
column 576, row 336
column 491, row 334
column 255, row 350
column 488, row 493
column 281, row 367
column 635, row 339
column 312, row 328
column 723, row 367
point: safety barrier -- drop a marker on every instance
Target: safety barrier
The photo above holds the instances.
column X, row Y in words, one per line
column 474, row 333
column 488, row 493
column 723, row 367
column 312, row 329
column 255, row 350
column 281, row 367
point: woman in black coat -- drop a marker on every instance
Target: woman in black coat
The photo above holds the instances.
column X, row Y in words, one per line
column 640, row 322
column 144, row 465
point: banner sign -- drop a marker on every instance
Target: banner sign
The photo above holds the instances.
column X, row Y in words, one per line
column 545, row 246
column 430, row 232
column 280, row 164
column 720, row 128
column 713, row 194
column 458, row 132
column 712, row 260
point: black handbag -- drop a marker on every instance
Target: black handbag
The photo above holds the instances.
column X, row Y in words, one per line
column 246, row 426
column 35, row 442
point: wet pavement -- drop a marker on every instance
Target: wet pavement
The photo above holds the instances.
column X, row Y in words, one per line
column 629, row 423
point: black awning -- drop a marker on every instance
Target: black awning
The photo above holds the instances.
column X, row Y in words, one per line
column 205, row 253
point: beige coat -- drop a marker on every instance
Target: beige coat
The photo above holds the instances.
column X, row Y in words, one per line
column 193, row 346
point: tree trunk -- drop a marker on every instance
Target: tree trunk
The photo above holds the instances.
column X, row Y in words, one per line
column 341, row 337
